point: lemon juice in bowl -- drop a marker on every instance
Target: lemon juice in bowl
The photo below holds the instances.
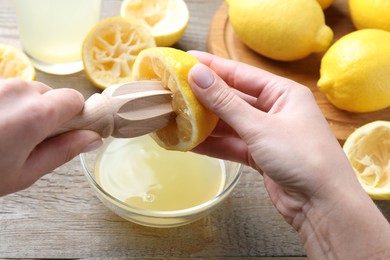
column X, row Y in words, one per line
column 141, row 174
column 52, row 31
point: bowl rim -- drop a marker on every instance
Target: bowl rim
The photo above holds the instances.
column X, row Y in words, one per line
column 160, row 213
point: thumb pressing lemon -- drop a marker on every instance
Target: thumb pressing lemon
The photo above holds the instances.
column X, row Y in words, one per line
column 283, row 30
column 354, row 72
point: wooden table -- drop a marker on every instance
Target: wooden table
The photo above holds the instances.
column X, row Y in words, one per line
column 60, row 217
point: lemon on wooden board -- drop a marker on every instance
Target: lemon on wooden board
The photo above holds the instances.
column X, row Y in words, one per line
column 193, row 123
column 283, row 30
column 355, row 71
column 15, row 64
column 110, row 48
column 166, row 19
column 370, row 14
column 325, row 3
column 368, row 150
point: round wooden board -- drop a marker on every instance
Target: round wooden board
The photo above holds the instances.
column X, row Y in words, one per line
column 223, row 42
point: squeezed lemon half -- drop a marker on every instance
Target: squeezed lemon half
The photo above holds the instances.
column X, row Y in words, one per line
column 166, row 19
column 15, row 64
column 368, row 150
column 110, row 49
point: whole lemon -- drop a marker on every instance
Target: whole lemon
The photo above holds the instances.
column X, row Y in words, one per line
column 355, row 71
column 370, row 14
column 325, row 3
column 283, row 30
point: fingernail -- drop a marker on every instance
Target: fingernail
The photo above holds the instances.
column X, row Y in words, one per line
column 92, row 146
column 202, row 76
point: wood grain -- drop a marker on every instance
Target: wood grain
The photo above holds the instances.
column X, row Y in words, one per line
column 223, row 42
column 60, row 217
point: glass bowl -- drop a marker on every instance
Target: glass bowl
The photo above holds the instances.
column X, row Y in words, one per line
column 154, row 218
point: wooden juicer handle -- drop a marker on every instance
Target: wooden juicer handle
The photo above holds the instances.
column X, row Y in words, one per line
column 128, row 110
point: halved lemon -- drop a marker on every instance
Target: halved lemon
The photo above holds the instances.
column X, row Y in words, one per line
column 15, row 64
column 166, row 19
column 110, row 48
column 368, row 150
column 193, row 123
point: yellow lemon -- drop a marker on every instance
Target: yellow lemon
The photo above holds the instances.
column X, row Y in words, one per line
column 370, row 14
column 325, row 3
column 110, row 48
column 368, row 150
column 283, row 30
column 192, row 123
column 15, row 64
column 166, row 19
column 354, row 72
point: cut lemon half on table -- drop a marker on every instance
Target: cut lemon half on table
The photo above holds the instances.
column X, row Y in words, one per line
column 15, row 64
column 368, row 150
column 110, row 48
column 166, row 19
column 193, row 123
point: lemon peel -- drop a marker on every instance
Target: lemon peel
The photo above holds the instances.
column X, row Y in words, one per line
column 354, row 72
column 370, row 14
column 283, row 31
column 166, row 19
column 325, row 3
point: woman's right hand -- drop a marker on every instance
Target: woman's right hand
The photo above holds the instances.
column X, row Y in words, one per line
column 274, row 125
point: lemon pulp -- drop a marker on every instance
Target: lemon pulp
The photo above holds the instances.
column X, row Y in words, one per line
column 110, row 48
column 140, row 173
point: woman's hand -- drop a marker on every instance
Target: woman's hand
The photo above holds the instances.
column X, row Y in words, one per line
column 29, row 113
column 274, row 125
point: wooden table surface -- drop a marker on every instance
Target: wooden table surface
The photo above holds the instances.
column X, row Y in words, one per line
column 60, row 217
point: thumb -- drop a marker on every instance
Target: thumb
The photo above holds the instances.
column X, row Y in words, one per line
column 220, row 99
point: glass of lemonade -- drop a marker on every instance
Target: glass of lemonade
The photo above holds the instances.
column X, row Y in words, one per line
column 52, row 31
